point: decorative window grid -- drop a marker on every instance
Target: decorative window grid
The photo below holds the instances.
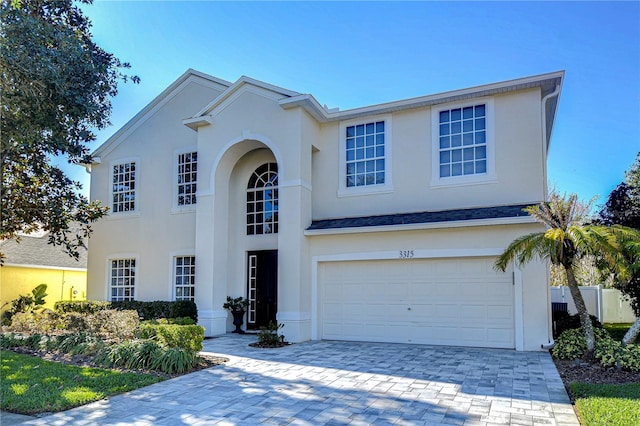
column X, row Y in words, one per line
column 185, row 277
column 253, row 280
column 123, row 279
column 365, row 156
column 262, row 200
column 187, row 178
column 463, row 141
column 124, row 188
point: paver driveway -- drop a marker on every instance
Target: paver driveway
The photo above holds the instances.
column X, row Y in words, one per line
column 338, row 383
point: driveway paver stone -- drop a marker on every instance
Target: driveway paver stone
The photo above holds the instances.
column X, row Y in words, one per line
column 344, row 383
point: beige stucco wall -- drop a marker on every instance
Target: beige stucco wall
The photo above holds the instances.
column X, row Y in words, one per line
column 249, row 128
column 155, row 232
column 519, row 164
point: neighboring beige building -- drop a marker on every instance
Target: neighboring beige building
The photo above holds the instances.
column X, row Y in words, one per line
column 379, row 223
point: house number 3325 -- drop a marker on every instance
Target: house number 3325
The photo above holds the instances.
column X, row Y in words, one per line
column 406, row 254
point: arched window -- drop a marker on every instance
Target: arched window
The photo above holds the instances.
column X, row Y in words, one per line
column 262, row 200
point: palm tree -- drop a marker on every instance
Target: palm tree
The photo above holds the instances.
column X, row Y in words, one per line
column 568, row 238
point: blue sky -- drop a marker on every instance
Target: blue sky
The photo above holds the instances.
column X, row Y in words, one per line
column 355, row 54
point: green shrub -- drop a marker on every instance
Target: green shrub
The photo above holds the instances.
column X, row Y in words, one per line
column 113, row 324
column 12, row 341
column 147, row 354
column 9, row 340
column 42, row 322
column 269, row 336
column 572, row 345
column 146, row 310
column 74, row 321
column 174, row 360
column 173, row 335
column 81, row 306
column 184, row 308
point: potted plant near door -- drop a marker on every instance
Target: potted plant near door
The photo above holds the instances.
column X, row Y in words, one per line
column 237, row 306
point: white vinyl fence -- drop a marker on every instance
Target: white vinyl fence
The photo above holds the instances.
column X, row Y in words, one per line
column 608, row 304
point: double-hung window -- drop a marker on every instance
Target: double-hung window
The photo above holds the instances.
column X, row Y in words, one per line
column 463, row 144
column 187, row 178
column 184, row 277
column 366, row 164
column 122, row 279
column 123, row 189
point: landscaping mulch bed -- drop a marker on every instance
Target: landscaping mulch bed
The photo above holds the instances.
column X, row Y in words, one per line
column 580, row 371
column 204, row 361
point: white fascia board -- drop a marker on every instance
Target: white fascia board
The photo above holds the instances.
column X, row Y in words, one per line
column 307, row 102
column 146, row 112
column 236, row 86
column 53, row 268
column 422, row 226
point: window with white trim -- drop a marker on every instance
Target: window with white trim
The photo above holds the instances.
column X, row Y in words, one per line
column 365, row 154
column 123, row 190
column 184, row 270
column 187, row 178
column 262, row 200
column 463, row 141
column 122, row 278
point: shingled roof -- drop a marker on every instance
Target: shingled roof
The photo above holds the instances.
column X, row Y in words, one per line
column 422, row 217
column 37, row 251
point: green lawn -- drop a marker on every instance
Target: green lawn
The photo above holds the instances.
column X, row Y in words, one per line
column 617, row 331
column 601, row 405
column 30, row 385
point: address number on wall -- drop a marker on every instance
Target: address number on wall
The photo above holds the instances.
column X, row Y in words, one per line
column 406, row 254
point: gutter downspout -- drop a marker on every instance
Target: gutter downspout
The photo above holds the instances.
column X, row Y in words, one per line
column 545, row 145
column 545, row 142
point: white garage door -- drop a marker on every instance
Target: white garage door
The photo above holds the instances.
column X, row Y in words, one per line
column 460, row 301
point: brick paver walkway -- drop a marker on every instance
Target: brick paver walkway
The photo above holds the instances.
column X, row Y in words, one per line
column 340, row 383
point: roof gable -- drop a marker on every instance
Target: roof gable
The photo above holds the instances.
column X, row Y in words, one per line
column 244, row 83
column 189, row 76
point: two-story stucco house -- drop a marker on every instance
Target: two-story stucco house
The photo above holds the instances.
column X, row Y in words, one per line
column 379, row 223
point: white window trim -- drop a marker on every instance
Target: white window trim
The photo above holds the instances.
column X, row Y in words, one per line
column 490, row 175
column 136, row 209
column 117, row 256
column 343, row 190
column 172, row 271
column 175, row 208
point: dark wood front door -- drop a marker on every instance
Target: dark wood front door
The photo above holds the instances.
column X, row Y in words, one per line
column 262, row 288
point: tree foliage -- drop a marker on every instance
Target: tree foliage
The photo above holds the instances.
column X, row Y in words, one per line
column 623, row 208
column 567, row 239
column 56, row 85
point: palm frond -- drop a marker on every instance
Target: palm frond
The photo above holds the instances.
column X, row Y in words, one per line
column 522, row 250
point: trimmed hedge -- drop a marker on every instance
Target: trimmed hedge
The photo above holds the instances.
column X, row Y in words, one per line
column 173, row 336
column 146, row 310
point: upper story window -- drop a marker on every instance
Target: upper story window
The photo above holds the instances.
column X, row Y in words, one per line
column 365, row 159
column 122, row 277
column 184, row 277
column 262, row 200
column 123, row 187
column 463, row 141
column 365, row 156
column 463, row 144
column 187, row 178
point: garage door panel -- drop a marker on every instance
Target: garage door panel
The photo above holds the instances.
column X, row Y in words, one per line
column 434, row 301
